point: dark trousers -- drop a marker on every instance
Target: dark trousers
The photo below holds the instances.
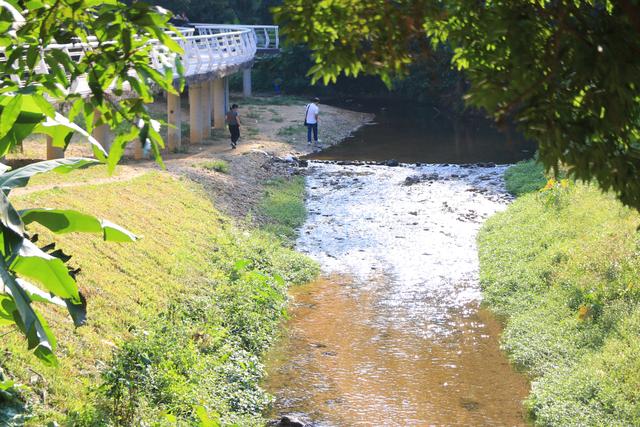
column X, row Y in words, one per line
column 234, row 130
column 313, row 127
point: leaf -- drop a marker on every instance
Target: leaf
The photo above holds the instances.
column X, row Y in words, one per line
column 9, row 217
column 60, row 129
column 70, row 221
column 49, row 271
column 7, row 308
column 204, row 419
column 10, row 114
column 6, row 385
column 38, row 335
column 38, row 295
column 115, row 233
column 78, row 312
column 20, row 177
column 62, row 221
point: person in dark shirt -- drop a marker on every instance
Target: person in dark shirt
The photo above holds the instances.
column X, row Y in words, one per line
column 233, row 120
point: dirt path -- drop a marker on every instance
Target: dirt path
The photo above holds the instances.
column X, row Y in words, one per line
column 271, row 127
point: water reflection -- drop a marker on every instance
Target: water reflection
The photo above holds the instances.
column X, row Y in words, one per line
column 421, row 134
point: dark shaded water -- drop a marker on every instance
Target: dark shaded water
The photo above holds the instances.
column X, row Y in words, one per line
column 424, row 134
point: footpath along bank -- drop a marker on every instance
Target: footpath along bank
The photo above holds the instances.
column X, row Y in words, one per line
column 179, row 320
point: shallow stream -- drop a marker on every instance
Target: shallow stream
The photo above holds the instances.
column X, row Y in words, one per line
column 392, row 334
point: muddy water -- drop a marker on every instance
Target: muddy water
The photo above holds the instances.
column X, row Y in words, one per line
column 392, row 334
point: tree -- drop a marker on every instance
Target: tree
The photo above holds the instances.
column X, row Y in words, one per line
column 566, row 72
column 48, row 48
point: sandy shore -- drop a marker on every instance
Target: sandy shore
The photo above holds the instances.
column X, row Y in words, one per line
column 270, row 127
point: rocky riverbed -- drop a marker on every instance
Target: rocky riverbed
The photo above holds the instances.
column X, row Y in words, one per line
column 393, row 333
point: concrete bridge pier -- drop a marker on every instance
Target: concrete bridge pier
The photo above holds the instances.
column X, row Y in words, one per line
column 195, row 113
column 206, row 109
column 218, row 103
column 174, row 117
column 101, row 133
column 53, row 152
column 246, row 82
column 227, row 106
column 137, row 149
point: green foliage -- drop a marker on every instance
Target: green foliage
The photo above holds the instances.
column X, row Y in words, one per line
column 116, row 41
column 22, row 260
column 178, row 321
column 283, row 205
column 566, row 72
column 223, row 11
column 525, row 177
column 564, row 276
column 216, row 165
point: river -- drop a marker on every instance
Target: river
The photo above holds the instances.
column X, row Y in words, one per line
column 393, row 333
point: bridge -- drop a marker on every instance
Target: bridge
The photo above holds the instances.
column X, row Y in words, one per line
column 212, row 53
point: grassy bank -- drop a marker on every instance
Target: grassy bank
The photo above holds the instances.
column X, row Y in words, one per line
column 283, row 206
column 562, row 268
column 178, row 321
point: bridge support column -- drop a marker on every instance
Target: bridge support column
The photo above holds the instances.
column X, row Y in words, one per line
column 174, row 118
column 137, row 149
column 101, row 133
column 53, row 152
column 246, row 82
column 227, row 105
column 218, row 103
column 212, row 97
column 195, row 114
column 206, row 109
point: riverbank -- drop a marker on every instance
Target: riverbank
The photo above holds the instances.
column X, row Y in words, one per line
column 561, row 267
column 179, row 320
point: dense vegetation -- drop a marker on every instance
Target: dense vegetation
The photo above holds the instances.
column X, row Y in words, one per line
column 430, row 80
column 525, row 177
column 566, row 72
column 177, row 322
column 562, row 266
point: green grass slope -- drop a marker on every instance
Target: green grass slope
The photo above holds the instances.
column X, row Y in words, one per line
column 562, row 267
column 178, row 321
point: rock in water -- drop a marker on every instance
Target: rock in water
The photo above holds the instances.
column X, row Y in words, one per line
column 392, row 162
column 288, row 421
column 410, row 180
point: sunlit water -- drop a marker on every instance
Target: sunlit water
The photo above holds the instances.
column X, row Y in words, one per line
column 392, row 334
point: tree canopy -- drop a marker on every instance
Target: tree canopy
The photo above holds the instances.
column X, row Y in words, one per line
column 223, row 11
column 567, row 72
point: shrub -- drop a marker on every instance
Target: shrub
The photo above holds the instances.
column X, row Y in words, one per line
column 525, row 177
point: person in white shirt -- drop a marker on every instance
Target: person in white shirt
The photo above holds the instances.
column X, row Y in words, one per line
column 311, row 120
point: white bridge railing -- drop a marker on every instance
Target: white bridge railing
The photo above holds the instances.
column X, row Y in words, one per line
column 267, row 35
column 208, row 50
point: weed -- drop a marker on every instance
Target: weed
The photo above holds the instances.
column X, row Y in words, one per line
column 272, row 100
column 283, row 205
column 216, row 165
column 252, row 114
